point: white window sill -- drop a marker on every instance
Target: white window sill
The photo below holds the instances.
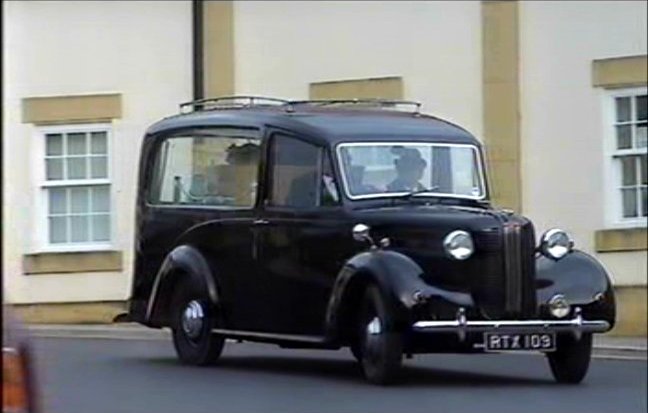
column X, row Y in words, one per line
column 635, row 223
column 74, row 248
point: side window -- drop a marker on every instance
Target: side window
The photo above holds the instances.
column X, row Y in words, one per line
column 215, row 167
column 295, row 175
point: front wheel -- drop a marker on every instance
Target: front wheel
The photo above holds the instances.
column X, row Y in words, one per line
column 570, row 362
column 193, row 320
column 380, row 343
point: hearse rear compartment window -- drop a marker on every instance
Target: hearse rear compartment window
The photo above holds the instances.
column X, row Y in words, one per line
column 216, row 168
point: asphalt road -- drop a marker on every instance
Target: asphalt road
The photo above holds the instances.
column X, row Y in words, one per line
column 133, row 376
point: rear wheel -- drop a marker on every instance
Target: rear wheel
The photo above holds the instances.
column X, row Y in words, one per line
column 193, row 320
column 380, row 347
column 570, row 362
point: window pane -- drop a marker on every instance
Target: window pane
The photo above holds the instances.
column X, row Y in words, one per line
column 208, row 170
column 101, row 228
column 624, row 137
column 99, row 167
column 644, row 201
column 629, row 202
column 79, row 228
column 98, row 143
column 629, row 171
column 57, row 201
column 76, row 144
column 54, row 144
column 76, row 168
column 79, row 200
column 643, row 159
column 101, row 198
column 54, row 169
column 642, row 108
column 623, row 109
column 641, row 136
column 294, row 173
column 58, row 229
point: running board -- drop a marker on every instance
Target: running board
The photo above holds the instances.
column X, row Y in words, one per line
column 289, row 340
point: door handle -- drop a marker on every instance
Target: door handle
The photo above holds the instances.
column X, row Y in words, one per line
column 260, row 222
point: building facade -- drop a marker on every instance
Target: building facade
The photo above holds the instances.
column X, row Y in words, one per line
column 556, row 90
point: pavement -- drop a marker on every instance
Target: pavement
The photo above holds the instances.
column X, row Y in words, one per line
column 122, row 374
column 605, row 346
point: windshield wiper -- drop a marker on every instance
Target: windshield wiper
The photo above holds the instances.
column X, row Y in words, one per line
column 410, row 194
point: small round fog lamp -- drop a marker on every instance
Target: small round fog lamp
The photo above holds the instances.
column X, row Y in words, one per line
column 558, row 306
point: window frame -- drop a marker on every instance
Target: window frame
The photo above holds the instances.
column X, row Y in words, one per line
column 347, row 192
column 612, row 169
column 40, row 229
column 322, row 155
column 204, row 131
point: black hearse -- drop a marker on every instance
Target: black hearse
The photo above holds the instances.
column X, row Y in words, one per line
column 360, row 224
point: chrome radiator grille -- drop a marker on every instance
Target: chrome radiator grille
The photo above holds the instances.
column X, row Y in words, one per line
column 519, row 269
column 512, row 268
column 504, row 285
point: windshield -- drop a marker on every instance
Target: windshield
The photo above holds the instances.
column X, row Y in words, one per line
column 380, row 169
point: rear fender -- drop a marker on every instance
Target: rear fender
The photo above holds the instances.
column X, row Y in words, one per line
column 183, row 263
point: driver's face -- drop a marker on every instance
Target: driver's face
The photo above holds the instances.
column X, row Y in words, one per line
column 410, row 171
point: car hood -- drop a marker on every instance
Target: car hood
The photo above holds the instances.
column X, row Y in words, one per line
column 418, row 232
column 435, row 218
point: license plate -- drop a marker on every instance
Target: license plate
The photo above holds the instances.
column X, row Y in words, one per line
column 517, row 342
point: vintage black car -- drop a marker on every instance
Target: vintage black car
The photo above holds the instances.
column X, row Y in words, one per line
column 360, row 224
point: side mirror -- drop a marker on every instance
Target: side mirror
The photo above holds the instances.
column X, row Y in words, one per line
column 361, row 233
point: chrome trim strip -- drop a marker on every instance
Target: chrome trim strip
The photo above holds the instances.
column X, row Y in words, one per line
column 273, row 336
column 577, row 325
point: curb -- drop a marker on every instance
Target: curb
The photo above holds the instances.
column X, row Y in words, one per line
column 97, row 331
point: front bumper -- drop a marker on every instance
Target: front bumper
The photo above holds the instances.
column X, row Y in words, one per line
column 462, row 326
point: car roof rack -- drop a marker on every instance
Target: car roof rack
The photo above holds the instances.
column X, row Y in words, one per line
column 361, row 103
column 248, row 101
column 230, row 102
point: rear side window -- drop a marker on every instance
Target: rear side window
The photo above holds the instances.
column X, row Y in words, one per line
column 295, row 171
column 214, row 167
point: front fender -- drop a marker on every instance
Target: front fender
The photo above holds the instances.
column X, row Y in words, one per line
column 398, row 278
column 184, row 262
column 581, row 279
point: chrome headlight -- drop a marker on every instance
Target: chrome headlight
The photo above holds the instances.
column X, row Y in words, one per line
column 556, row 243
column 459, row 245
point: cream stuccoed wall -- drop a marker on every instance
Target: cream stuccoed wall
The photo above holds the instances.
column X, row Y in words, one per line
column 139, row 49
column 563, row 120
column 281, row 47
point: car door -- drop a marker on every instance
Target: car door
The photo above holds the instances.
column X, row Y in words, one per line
column 203, row 193
column 300, row 244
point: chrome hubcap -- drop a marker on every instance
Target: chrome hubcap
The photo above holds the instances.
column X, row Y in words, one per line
column 192, row 319
column 373, row 331
column 374, row 327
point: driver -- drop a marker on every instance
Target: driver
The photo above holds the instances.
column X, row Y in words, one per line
column 409, row 170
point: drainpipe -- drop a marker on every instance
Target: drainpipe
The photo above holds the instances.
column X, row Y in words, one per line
column 197, row 37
